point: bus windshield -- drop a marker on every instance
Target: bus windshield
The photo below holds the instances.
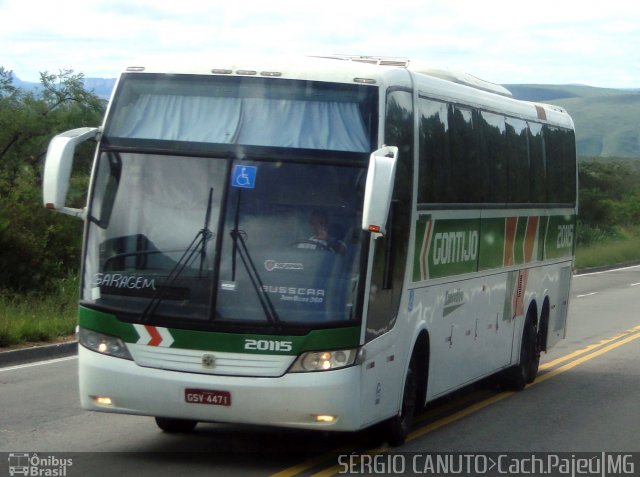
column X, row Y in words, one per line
column 223, row 239
column 284, row 249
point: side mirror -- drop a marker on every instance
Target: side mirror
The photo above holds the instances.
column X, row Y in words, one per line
column 57, row 168
column 379, row 189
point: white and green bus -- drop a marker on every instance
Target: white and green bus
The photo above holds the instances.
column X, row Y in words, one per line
column 324, row 244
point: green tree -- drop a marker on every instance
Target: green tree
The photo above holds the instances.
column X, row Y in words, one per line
column 37, row 246
column 609, row 193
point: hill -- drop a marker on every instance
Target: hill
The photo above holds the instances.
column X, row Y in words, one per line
column 607, row 120
column 101, row 87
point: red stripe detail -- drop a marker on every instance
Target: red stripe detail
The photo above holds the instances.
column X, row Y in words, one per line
column 156, row 339
column 521, row 288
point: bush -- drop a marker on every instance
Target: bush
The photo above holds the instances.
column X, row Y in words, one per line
column 37, row 247
column 596, row 234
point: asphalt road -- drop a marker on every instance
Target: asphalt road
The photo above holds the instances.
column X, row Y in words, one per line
column 584, row 400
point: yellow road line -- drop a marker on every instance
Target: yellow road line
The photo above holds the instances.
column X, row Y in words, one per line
column 586, row 349
column 589, row 356
column 308, row 464
column 589, row 353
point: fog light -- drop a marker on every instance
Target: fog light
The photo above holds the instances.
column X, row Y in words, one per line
column 325, row 418
column 102, row 400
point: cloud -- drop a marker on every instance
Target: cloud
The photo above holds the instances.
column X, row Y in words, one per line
column 551, row 43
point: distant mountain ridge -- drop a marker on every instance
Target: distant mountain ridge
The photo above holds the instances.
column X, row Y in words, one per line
column 101, row 87
column 607, row 120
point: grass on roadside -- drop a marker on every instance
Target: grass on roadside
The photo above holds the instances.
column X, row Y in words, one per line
column 610, row 253
column 38, row 317
column 622, row 247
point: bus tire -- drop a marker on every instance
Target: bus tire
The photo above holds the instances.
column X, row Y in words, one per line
column 399, row 426
column 172, row 426
column 518, row 376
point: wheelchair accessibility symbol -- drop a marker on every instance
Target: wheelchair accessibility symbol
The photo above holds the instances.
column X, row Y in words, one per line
column 244, row 176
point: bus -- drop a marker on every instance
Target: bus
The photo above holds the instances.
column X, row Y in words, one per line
column 328, row 243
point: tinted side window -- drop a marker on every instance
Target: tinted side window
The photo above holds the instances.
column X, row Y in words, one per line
column 564, row 155
column 560, row 157
column 537, row 164
column 569, row 166
column 465, row 158
column 492, row 180
column 519, row 167
column 469, row 156
column 435, row 178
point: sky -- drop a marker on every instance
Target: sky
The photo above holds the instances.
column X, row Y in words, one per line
column 539, row 41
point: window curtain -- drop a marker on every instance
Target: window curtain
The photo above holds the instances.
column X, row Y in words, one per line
column 332, row 125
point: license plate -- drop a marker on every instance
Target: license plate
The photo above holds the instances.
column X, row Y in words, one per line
column 205, row 396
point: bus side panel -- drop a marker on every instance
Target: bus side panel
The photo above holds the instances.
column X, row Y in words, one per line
column 382, row 376
column 471, row 328
column 559, row 308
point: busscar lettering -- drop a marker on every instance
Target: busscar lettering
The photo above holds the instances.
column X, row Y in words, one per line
column 455, row 247
column 296, row 294
column 292, row 290
column 118, row 280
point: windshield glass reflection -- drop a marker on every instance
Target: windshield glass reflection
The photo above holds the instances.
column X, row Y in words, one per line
column 285, row 249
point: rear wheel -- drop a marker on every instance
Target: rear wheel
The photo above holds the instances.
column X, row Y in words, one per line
column 518, row 376
column 398, row 427
column 175, row 425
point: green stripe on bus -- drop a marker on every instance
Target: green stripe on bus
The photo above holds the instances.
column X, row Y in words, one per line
column 491, row 244
column 106, row 323
column 448, row 247
column 518, row 246
column 560, row 238
column 315, row 340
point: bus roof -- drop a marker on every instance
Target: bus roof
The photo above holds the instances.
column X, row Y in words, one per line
column 437, row 83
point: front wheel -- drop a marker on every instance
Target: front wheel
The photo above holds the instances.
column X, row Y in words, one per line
column 170, row 425
column 398, row 427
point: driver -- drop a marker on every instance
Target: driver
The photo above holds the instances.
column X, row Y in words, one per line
column 319, row 223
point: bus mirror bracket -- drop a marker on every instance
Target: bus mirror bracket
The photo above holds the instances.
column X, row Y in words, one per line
column 379, row 190
column 57, row 168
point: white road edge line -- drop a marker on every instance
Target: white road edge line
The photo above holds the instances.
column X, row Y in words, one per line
column 586, row 294
column 37, row 363
column 605, row 271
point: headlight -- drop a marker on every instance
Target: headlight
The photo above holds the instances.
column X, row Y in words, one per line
column 324, row 360
column 104, row 344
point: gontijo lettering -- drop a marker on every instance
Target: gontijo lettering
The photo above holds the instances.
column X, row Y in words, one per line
column 453, row 247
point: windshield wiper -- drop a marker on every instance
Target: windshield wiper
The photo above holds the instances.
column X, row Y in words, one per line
column 240, row 248
column 265, row 302
column 199, row 242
